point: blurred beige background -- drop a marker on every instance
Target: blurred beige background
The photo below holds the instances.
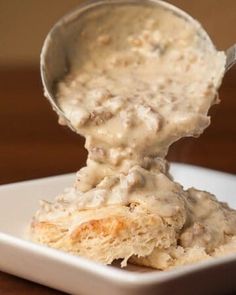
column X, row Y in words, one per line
column 25, row 23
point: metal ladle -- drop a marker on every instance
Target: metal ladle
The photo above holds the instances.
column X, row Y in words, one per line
column 56, row 55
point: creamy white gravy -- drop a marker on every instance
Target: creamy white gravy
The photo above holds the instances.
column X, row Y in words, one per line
column 137, row 87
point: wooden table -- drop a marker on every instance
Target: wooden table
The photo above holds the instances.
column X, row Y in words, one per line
column 33, row 145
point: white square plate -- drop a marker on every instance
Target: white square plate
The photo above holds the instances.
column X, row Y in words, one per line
column 80, row 276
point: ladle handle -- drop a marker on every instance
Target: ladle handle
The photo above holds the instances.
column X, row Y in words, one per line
column 230, row 57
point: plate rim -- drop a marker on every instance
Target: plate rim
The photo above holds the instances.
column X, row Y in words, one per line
column 115, row 275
